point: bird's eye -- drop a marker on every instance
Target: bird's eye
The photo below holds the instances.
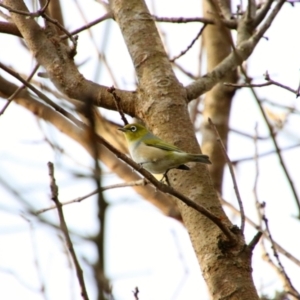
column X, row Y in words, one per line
column 132, row 128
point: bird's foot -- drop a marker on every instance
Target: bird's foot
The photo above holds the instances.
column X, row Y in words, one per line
column 165, row 176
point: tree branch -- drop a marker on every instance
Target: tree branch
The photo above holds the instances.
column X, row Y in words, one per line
column 64, row 229
column 10, row 28
column 241, row 53
column 162, row 201
column 55, row 57
column 236, row 189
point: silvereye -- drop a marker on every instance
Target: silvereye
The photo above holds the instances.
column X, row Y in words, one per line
column 154, row 154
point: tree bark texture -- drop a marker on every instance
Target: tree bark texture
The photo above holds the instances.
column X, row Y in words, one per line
column 161, row 102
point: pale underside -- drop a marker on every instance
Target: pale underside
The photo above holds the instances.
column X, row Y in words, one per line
column 155, row 160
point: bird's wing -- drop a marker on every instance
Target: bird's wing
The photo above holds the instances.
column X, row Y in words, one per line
column 156, row 143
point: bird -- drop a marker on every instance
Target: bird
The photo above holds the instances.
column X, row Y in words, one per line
column 154, row 154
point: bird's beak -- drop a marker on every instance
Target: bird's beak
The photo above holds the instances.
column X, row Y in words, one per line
column 122, row 129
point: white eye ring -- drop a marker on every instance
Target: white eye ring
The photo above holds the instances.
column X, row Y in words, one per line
column 133, row 128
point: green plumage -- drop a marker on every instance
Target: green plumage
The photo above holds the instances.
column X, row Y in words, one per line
column 154, row 154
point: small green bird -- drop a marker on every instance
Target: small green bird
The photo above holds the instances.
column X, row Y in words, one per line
column 154, row 154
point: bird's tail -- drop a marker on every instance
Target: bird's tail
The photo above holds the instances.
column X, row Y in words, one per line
column 202, row 158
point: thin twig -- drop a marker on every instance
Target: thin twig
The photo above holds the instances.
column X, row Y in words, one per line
column 36, row 14
column 190, row 45
column 287, row 280
column 258, row 227
column 268, row 83
column 269, row 79
column 118, row 102
column 232, row 24
column 141, row 182
column 64, row 229
column 185, row 72
column 16, row 92
column 262, row 218
column 248, row 85
column 257, row 203
column 298, row 91
column 42, row 96
column 37, row 265
column 136, row 293
column 265, row 26
column 89, row 25
column 62, row 28
column 41, row 13
column 234, row 162
column 245, row 134
column 278, row 150
column 99, row 267
column 184, row 20
column 255, row 240
column 291, row 109
column 236, row 189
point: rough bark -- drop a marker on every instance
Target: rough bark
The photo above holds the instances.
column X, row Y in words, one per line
column 57, row 59
column 161, row 102
column 162, row 105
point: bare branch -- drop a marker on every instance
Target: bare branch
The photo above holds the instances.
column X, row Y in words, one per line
column 136, row 293
column 236, row 189
column 190, row 45
column 288, row 284
column 64, row 229
column 231, row 24
column 141, row 182
column 265, row 235
column 162, row 201
column 36, row 257
column 36, row 14
column 64, row 73
column 118, row 102
column 241, row 53
column 41, row 95
column 16, row 92
column 262, row 30
column 278, row 150
column 107, row 16
column 268, row 83
column 68, row 34
column 255, row 240
column 234, row 162
column 262, row 12
column 10, row 28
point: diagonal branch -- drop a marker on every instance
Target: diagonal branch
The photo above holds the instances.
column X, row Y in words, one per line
column 65, row 231
column 55, row 57
column 231, row 24
column 241, row 53
column 190, row 45
column 236, row 189
column 278, row 150
column 162, row 201
column 160, row 186
column 16, row 92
